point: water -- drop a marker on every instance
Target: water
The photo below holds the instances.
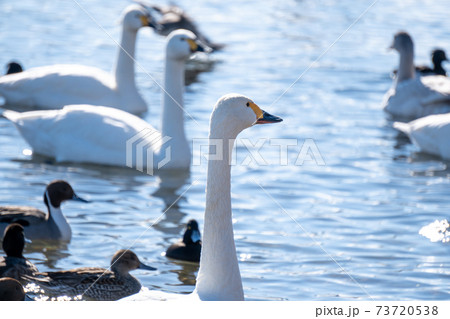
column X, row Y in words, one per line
column 346, row 230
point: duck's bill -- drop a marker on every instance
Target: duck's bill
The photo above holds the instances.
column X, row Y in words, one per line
column 195, row 236
column 267, row 118
column 144, row 266
column 79, row 199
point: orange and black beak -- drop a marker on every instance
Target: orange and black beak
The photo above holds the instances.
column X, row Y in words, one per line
column 267, row 118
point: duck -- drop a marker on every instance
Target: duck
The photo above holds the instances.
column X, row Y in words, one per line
column 107, row 136
column 412, row 97
column 189, row 248
column 14, row 265
column 54, row 86
column 219, row 277
column 174, row 18
column 13, row 67
column 429, row 133
column 94, row 282
column 11, row 290
column 437, row 57
column 36, row 223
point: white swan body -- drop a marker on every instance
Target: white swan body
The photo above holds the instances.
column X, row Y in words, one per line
column 54, row 86
column 412, row 97
column 431, row 134
column 219, row 277
column 86, row 134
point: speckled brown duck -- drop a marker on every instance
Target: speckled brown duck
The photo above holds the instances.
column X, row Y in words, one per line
column 94, row 282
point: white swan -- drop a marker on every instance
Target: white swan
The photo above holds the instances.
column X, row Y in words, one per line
column 86, row 134
column 219, row 277
column 54, row 86
column 412, row 97
column 431, row 134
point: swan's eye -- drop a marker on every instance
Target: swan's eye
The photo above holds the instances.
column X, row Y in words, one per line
column 248, row 104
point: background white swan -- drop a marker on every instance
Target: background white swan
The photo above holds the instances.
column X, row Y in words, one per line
column 412, row 97
column 431, row 134
column 86, row 134
column 219, row 277
column 54, row 86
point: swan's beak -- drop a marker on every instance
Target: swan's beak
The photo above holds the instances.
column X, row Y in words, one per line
column 195, row 236
column 144, row 266
column 148, row 22
column 198, row 46
column 267, row 118
column 79, row 199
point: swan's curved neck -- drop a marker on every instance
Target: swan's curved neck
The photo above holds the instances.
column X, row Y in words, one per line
column 124, row 68
column 406, row 69
column 219, row 277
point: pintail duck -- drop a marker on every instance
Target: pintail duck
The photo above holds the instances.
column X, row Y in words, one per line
column 11, row 290
column 36, row 223
column 14, row 265
column 190, row 247
column 94, row 282
column 437, row 57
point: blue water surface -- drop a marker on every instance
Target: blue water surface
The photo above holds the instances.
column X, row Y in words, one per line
column 341, row 224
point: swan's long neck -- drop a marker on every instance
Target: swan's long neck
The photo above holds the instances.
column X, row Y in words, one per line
column 172, row 115
column 219, row 277
column 124, row 68
column 406, row 69
column 172, row 122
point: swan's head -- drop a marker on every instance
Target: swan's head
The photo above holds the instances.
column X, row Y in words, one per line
column 235, row 112
column 402, row 42
column 182, row 43
column 136, row 16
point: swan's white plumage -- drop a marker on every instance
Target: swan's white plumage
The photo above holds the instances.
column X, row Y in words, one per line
column 54, row 86
column 99, row 135
column 219, row 277
column 430, row 134
column 412, row 97
column 79, row 133
column 418, row 97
